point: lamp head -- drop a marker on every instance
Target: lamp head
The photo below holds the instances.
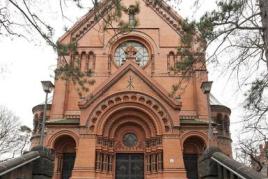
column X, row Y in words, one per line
column 47, row 86
column 206, row 86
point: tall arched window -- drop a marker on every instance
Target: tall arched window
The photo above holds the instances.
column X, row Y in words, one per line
column 84, row 62
column 91, row 61
column 219, row 122
column 171, row 61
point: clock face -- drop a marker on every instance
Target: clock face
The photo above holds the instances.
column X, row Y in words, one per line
column 138, row 51
column 130, row 139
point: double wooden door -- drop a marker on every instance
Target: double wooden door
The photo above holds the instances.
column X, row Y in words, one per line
column 129, row 166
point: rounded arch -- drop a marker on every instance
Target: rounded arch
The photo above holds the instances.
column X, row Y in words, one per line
column 203, row 136
column 51, row 141
column 136, row 35
column 118, row 119
column 140, row 102
column 131, row 38
column 171, row 53
column 64, row 144
column 194, row 145
column 152, row 117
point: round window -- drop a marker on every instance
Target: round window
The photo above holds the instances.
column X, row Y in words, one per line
column 131, row 49
column 130, row 139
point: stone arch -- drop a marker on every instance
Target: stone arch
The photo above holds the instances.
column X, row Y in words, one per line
column 116, row 121
column 64, row 147
column 51, row 141
column 64, row 143
column 155, row 123
column 131, row 100
column 136, row 38
column 194, row 145
column 203, row 136
column 139, row 36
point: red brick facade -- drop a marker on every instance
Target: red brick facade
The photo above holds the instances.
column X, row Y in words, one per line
column 130, row 109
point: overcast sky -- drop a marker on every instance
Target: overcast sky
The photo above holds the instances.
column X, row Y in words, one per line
column 26, row 63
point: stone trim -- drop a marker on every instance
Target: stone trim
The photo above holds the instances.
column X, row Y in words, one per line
column 129, row 66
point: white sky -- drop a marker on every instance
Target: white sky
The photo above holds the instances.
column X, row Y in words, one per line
column 27, row 63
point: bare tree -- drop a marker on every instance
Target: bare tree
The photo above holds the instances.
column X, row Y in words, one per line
column 14, row 138
column 238, row 29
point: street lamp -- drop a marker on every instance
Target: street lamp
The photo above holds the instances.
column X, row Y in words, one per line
column 206, row 87
column 47, row 87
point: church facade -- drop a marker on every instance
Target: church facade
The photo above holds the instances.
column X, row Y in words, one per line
column 140, row 119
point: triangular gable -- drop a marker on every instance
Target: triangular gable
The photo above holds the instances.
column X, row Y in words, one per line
column 130, row 66
column 89, row 20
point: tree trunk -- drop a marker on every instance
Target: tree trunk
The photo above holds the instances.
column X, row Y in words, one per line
column 264, row 18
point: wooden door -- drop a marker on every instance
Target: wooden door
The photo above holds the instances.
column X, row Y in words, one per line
column 68, row 164
column 129, row 166
column 190, row 162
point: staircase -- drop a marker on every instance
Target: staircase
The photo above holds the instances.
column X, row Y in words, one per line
column 215, row 165
column 38, row 164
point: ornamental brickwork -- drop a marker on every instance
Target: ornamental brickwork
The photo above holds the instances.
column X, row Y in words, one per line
column 131, row 123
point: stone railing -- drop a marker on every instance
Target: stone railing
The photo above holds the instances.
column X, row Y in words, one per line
column 215, row 165
column 36, row 164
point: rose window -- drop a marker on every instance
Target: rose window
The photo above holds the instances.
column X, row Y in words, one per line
column 131, row 50
column 130, row 139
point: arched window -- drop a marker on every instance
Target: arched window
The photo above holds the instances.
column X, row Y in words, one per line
column 171, row 61
column 40, row 121
column 75, row 60
column 131, row 50
column 219, row 122
column 35, row 123
column 226, row 124
column 84, row 62
column 91, row 61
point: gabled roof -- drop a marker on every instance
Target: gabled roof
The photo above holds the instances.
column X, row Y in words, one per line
column 130, row 66
column 96, row 13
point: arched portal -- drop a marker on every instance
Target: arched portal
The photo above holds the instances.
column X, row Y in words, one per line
column 64, row 147
column 129, row 142
column 193, row 147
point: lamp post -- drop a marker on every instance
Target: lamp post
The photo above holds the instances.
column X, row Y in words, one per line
column 47, row 87
column 206, row 87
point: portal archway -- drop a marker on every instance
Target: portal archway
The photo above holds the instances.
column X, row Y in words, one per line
column 129, row 136
column 193, row 147
column 65, row 153
column 145, row 104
